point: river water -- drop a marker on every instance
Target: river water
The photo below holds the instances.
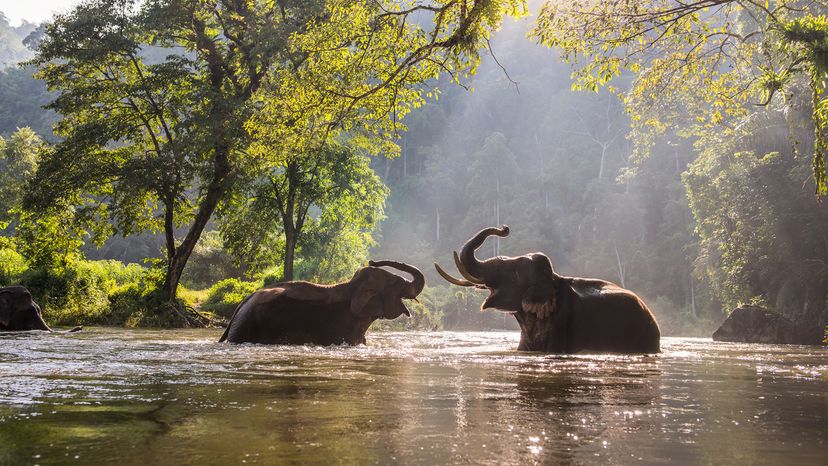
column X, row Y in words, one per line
column 115, row 396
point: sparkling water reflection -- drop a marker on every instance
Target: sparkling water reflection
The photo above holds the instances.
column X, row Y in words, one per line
column 166, row 397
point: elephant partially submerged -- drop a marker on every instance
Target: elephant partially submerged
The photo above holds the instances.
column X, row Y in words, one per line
column 300, row 312
column 557, row 314
column 19, row 312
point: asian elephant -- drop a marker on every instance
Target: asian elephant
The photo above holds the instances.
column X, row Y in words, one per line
column 300, row 312
column 557, row 314
column 19, row 312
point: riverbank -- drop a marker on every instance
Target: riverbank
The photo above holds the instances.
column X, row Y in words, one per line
column 111, row 293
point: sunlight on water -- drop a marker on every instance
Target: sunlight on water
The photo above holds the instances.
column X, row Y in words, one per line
column 152, row 397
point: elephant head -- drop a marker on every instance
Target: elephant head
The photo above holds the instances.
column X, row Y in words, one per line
column 18, row 311
column 517, row 284
column 377, row 293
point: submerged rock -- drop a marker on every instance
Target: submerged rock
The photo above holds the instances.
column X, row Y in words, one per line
column 753, row 324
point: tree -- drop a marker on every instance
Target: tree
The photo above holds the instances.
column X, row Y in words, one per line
column 22, row 98
column 762, row 233
column 493, row 171
column 553, row 199
column 140, row 136
column 701, row 63
column 315, row 203
column 49, row 239
column 19, row 156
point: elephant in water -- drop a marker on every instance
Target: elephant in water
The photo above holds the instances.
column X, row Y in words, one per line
column 557, row 314
column 299, row 312
column 19, row 312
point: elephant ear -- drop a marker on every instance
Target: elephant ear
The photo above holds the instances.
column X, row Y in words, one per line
column 5, row 309
column 540, row 297
column 366, row 300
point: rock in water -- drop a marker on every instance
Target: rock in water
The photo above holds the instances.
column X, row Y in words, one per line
column 753, row 324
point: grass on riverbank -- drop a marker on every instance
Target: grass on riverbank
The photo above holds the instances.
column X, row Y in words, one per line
column 104, row 292
column 111, row 293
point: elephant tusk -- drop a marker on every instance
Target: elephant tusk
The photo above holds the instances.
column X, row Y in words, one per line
column 465, row 273
column 451, row 279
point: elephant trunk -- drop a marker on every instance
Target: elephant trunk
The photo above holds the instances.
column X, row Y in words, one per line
column 42, row 323
column 476, row 268
column 416, row 285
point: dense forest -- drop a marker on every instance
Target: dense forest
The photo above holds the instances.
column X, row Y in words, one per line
column 698, row 225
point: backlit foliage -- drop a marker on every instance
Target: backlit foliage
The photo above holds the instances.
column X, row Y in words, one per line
column 699, row 63
column 166, row 104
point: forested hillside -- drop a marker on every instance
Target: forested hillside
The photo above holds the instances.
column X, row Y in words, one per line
column 522, row 149
column 21, row 95
column 556, row 167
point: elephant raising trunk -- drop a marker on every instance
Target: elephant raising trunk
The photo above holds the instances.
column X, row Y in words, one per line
column 416, row 284
column 474, row 270
column 557, row 314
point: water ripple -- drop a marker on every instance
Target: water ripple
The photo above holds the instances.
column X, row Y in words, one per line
column 413, row 397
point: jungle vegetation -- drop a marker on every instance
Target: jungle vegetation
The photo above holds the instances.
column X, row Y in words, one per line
column 223, row 149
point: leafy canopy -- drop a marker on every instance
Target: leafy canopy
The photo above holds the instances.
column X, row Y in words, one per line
column 166, row 104
column 49, row 239
column 365, row 66
column 326, row 203
column 699, row 63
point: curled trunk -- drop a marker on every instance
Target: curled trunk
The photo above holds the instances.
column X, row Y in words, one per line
column 416, row 284
column 476, row 268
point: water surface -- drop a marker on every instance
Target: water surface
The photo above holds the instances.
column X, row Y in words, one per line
column 115, row 396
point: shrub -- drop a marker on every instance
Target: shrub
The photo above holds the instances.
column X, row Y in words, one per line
column 675, row 320
column 210, row 262
column 461, row 310
column 224, row 296
column 141, row 305
column 90, row 292
column 70, row 297
column 272, row 276
column 192, row 298
column 12, row 267
column 114, row 273
column 426, row 314
column 109, row 292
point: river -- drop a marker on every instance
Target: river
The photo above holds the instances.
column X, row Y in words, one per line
column 141, row 397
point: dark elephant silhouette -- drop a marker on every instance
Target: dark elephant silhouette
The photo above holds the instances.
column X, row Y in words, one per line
column 557, row 314
column 300, row 312
column 19, row 312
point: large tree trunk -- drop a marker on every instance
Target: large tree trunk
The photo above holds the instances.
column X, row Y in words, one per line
column 215, row 190
column 169, row 229
column 290, row 253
